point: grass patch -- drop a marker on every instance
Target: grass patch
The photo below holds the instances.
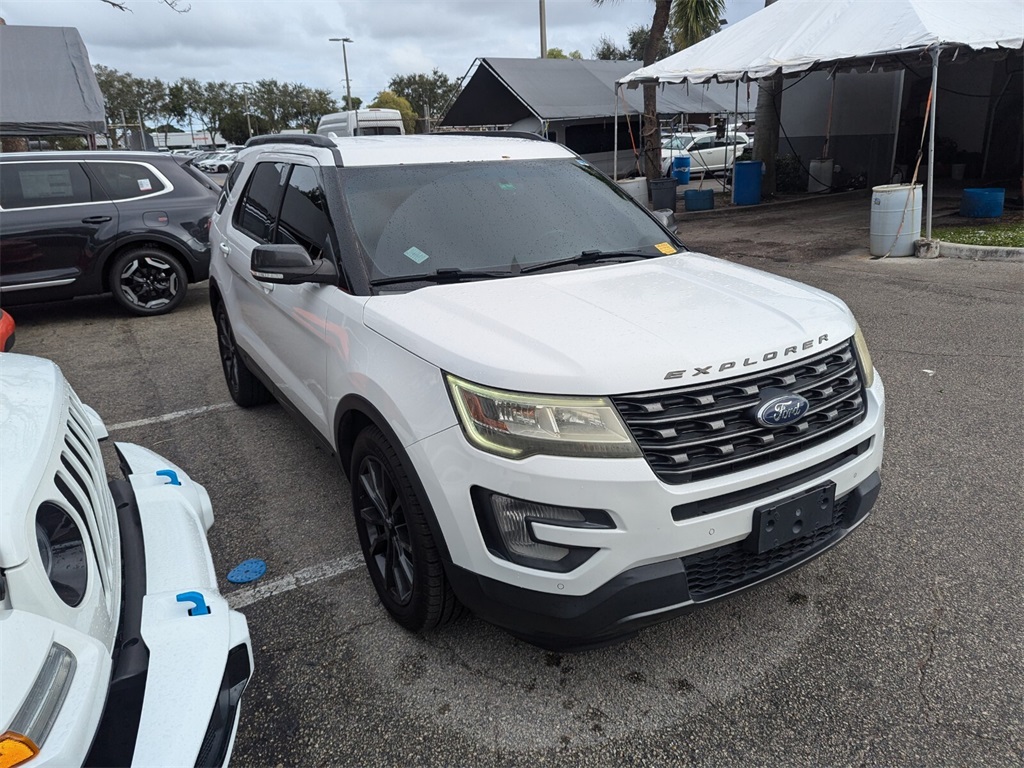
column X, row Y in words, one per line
column 1004, row 234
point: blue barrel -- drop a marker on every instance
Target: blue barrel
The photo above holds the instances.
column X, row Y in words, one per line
column 746, row 188
column 982, row 203
column 698, row 199
column 681, row 169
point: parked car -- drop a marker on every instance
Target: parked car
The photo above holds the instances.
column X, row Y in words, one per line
column 707, row 152
column 549, row 411
column 117, row 647
column 6, row 331
column 219, row 163
column 82, row 223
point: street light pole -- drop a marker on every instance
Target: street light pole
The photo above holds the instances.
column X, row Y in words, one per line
column 344, row 57
column 248, row 112
column 543, row 31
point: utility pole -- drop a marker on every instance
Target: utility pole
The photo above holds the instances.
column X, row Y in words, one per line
column 344, row 57
column 248, row 112
column 543, row 31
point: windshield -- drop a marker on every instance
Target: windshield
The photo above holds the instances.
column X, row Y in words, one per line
column 493, row 216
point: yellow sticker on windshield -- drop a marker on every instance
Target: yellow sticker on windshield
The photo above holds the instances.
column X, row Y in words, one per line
column 665, row 248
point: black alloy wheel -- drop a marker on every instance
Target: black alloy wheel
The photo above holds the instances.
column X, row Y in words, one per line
column 148, row 281
column 245, row 389
column 401, row 555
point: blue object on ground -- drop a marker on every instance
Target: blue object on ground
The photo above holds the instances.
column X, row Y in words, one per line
column 247, row 571
column 747, row 182
column 698, row 199
column 681, row 169
column 983, row 203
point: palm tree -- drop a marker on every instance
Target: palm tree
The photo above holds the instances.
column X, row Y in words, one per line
column 692, row 21
column 767, row 116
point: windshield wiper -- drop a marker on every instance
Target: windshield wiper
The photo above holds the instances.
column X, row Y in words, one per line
column 591, row 257
column 448, row 275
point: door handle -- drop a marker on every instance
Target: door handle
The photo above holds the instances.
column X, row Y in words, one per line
column 224, row 248
column 95, row 219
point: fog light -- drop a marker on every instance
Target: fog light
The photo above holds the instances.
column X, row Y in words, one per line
column 507, row 524
column 512, row 517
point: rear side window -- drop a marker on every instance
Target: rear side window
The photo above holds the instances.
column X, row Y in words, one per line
column 33, row 185
column 229, row 183
column 127, row 180
column 304, row 213
column 257, row 211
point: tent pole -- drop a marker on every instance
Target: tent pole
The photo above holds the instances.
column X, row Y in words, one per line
column 615, row 139
column 735, row 130
column 931, row 141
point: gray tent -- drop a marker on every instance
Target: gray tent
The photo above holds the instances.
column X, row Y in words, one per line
column 47, row 86
column 503, row 91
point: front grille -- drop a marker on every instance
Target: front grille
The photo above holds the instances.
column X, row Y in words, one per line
column 717, row 571
column 705, row 430
column 82, row 481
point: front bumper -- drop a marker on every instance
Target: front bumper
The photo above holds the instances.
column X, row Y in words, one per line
column 178, row 679
column 663, row 534
column 648, row 594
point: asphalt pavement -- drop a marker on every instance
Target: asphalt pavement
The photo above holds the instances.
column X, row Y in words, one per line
column 901, row 647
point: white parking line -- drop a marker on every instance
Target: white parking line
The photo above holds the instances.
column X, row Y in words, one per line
column 249, row 595
column 169, row 416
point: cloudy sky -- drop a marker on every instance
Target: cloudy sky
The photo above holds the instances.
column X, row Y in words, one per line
column 287, row 40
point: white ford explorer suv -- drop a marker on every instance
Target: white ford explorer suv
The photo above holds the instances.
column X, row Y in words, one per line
column 115, row 646
column 550, row 412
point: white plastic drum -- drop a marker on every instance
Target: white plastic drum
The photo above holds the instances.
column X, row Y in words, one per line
column 636, row 188
column 895, row 219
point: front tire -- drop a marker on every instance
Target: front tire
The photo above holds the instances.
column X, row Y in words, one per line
column 148, row 281
column 400, row 552
column 245, row 389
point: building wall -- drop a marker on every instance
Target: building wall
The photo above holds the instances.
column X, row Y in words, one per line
column 865, row 117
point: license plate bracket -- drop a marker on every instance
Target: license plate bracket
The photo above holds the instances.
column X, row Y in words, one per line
column 792, row 518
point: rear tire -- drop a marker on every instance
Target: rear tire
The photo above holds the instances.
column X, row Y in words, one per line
column 148, row 281
column 401, row 555
column 246, row 390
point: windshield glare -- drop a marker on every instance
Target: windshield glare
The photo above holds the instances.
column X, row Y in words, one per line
column 495, row 216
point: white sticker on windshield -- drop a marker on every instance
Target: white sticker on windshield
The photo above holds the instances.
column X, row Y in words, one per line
column 416, row 255
column 145, row 185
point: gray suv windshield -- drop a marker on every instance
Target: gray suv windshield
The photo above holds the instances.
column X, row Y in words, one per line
column 494, row 216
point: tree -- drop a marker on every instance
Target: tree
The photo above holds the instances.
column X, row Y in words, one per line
column 429, row 95
column 234, row 127
column 637, row 44
column 389, row 100
column 607, row 49
column 693, row 24
column 767, row 117
column 558, row 53
column 356, row 103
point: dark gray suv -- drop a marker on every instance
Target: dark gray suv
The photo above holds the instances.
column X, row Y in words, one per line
column 80, row 223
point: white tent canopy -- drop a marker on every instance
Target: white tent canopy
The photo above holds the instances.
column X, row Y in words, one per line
column 797, row 35
column 792, row 36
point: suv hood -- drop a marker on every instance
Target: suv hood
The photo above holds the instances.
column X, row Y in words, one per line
column 614, row 329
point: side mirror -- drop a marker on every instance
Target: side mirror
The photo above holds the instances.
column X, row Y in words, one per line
column 290, row 265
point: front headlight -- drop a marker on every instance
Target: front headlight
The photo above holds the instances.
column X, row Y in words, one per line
column 516, row 425
column 865, row 357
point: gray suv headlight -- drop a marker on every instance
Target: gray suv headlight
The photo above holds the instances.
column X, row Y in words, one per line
column 517, row 424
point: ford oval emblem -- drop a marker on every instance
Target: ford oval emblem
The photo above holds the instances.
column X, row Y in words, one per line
column 781, row 410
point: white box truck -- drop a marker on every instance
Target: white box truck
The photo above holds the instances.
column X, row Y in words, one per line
column 363, row 122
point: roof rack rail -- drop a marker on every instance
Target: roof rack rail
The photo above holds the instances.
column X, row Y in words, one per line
column 308, row 139
column 500, row 134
